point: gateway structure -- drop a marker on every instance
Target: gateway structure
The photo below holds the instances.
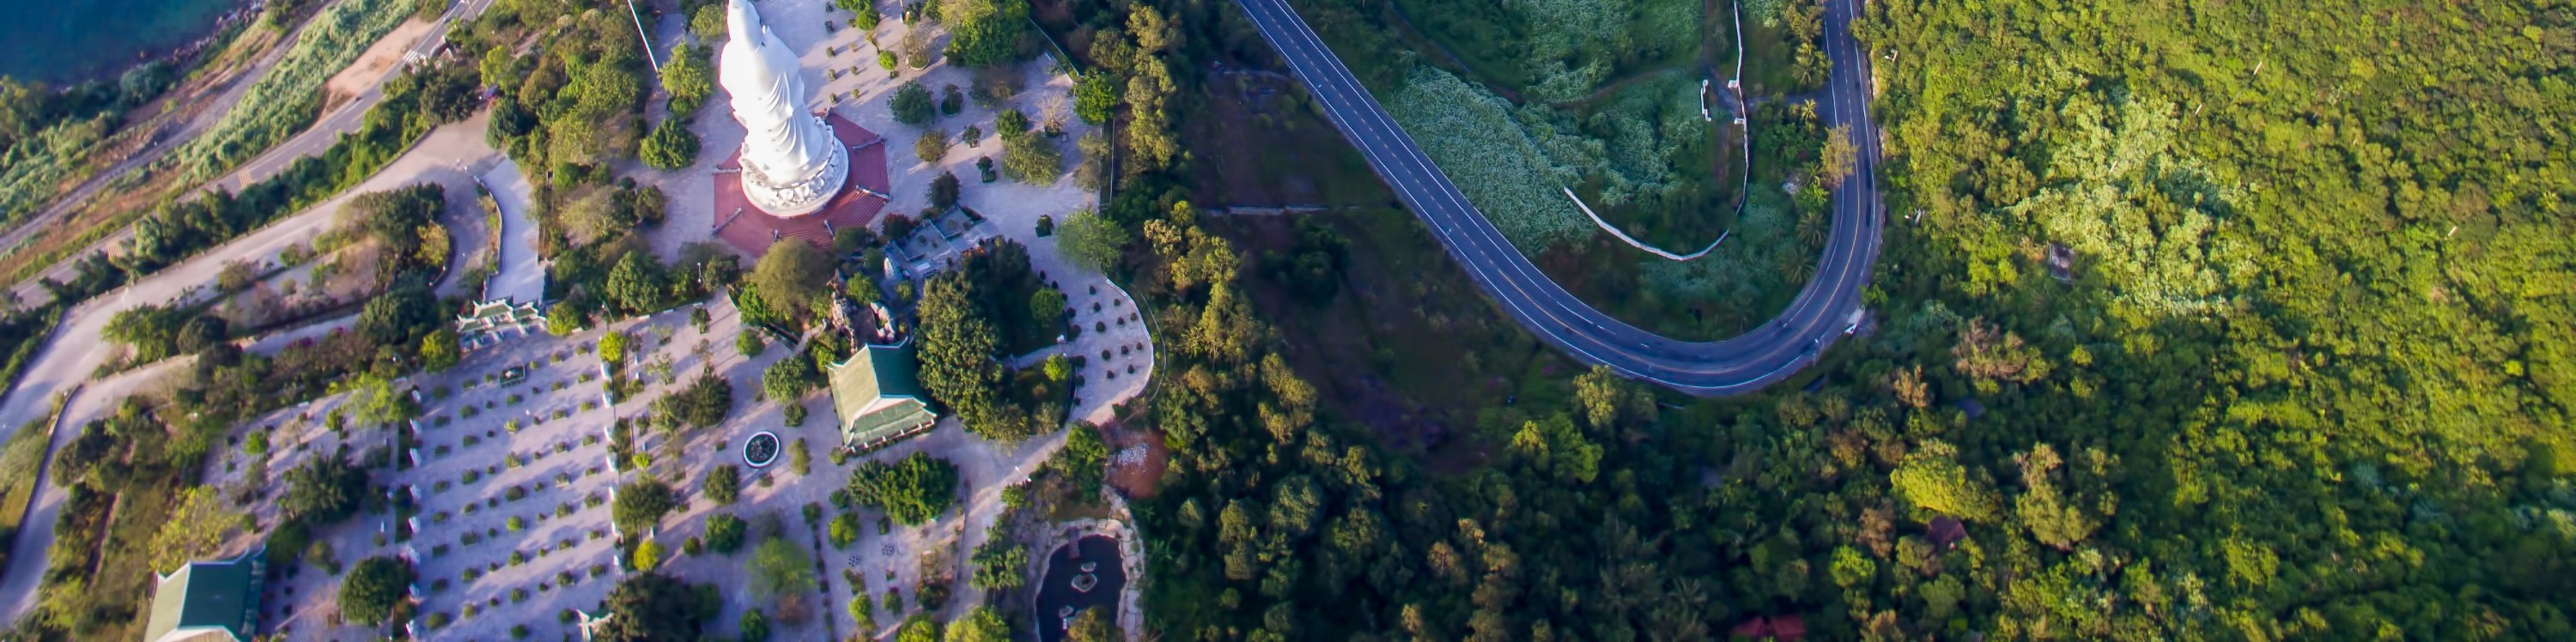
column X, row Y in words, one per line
column 792, row 163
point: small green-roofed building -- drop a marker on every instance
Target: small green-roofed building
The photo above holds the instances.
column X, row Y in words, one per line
column 878, row 395
column 206, row 601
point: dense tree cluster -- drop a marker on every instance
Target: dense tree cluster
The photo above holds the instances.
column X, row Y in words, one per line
column 973, row 317
column 792, row 279
column 572, row 106
column 1000, row 562
column 641, row 503
column 373, row 588
column 2239, row 313
column 912, row 490
column 652, row 607
column 2109, row 456
column 983, row 33
column 1312, row 267
column 323, row 491
column 725, row 533
column 723, row 484
column 703, row 404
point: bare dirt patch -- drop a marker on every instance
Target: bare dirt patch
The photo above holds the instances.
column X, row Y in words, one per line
column 379, row 60
column 1142, row 477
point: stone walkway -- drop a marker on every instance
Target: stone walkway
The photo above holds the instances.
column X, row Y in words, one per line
column 518, row 276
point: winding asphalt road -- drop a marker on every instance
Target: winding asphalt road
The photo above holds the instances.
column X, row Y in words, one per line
column 1813, row 321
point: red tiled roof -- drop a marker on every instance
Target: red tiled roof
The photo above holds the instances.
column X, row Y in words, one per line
column 750, row 230
column 1774, row 627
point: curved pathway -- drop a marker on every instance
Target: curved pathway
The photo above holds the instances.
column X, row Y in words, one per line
column 449, row 155
column 1744, row 363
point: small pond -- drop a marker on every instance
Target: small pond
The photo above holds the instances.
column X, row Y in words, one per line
column 1064, row 570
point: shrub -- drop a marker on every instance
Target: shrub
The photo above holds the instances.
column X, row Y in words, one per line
column 844, row 530
column 670, row 146
column 368, row 594
column 723, row 484
column 1029, row 158
column 725, row 533
column 911, row 104
column 755, row 627
column 911, row 491
column 932, row 146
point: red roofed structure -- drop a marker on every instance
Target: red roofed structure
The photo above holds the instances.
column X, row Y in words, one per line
column 1771, row 627
column 745, row 227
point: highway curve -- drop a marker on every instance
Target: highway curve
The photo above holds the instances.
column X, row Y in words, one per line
column 1812, row 322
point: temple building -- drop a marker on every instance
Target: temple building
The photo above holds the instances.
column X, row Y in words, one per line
column 209, row 601
column 878, row 396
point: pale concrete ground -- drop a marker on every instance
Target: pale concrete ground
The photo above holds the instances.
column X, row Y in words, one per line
column 984, row 467
column 519, row 276
column 563, row 464
column 74, row 351
column 1011, row 208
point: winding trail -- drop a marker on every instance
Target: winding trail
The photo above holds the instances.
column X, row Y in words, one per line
column 450, row 155
column 1818, row 316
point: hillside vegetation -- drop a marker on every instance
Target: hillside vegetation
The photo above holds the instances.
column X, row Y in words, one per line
column 289, row 97
column 2301, row 374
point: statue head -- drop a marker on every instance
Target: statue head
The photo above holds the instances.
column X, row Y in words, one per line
column 742, row 22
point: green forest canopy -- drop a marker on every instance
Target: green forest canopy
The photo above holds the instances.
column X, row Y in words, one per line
column 2306, row 377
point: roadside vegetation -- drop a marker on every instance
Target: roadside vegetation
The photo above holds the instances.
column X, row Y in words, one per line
column 1609, row 109
column 173, row 230
column 289, row 97
column 19, row 458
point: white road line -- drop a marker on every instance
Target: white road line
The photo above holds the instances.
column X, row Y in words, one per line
column 1536, row 301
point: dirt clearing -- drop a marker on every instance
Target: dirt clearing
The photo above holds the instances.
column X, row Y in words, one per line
column 379, row 60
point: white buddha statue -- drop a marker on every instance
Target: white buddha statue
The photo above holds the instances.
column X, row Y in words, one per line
column 791, row 163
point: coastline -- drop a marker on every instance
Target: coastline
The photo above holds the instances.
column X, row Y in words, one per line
column 212, row 36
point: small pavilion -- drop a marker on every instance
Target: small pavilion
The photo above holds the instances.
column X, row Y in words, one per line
column 493, row 321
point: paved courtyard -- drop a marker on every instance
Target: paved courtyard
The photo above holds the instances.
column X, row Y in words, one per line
column 513, row 480
column 512, row 476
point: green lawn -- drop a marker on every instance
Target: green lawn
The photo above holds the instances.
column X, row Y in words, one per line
column 19, row 459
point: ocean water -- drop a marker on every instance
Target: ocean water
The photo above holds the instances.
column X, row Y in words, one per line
column 62, row 41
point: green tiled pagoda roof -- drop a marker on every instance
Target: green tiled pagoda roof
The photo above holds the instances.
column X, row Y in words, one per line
column 877, row 393
column 208, row 598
